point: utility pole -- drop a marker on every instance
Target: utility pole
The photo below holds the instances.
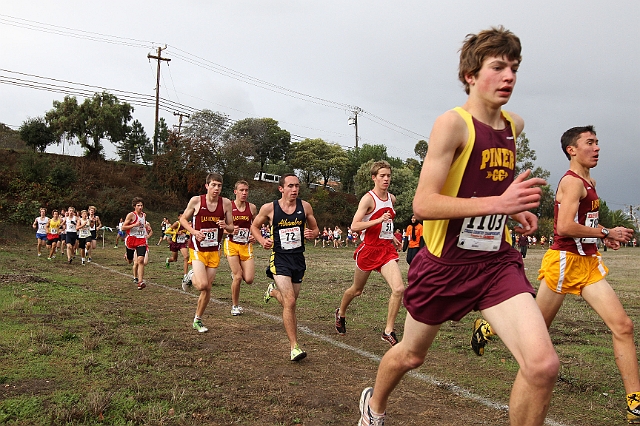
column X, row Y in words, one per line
column 354, row 121
column 180, row 115
column 159, row 58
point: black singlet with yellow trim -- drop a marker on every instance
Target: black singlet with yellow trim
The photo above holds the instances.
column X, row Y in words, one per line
column 287, row 230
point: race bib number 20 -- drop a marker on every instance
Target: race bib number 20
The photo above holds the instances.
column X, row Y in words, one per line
column 482, row 233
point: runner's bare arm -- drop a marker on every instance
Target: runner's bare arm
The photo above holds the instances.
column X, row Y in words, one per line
column 366, row 206
column 264, row 215
column 311, row 230
column 447, row 141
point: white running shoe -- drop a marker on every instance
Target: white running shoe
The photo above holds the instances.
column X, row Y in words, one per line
column 237, row 310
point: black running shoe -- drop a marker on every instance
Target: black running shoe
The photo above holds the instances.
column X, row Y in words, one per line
column 481, row 335
column 341, row 327
column 390, row 338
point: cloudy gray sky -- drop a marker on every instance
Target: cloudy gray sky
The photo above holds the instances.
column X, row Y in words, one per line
column 306, row 63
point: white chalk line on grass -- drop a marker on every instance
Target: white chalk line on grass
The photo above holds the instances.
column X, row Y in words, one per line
column 449, row 387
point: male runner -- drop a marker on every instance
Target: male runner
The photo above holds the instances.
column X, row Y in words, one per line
column 137, row 229
column 53, row 234
column 206, row 217
column 292, row 221
column 40, row 224
column 70, row 223
column 238, row 247
column 179, row 243
column 374, row 219
column 573, row 264
column 465, row 192
column 95, row 226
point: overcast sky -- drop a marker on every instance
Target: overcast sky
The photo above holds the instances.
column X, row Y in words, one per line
column 397, row 61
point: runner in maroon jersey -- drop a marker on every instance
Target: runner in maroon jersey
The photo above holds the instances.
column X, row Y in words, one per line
column 206, row 217
column 238, row 247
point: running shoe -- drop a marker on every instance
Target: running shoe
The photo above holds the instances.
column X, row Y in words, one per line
column 197, row 325
column 481, row 335
column 135, row 281
column 186, row 280
column 390, row 338
column 39, row 254
column 88, row 259
column 366, row 417
column 236, row 310
column 141, row 285
column 82, row 262
column 166, row 263
column 48, row 258
column 115, row 246
column 297, row 354
column 70, row 260
column 633, row 408
column 267, row 294
column 341, row 326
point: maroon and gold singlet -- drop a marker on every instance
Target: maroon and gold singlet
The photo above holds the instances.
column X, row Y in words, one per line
column 207, row 221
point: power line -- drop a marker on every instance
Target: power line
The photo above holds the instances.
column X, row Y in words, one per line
column 202, row 63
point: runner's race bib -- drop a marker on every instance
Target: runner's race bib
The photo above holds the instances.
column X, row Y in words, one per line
column 482, row 233
column 290, row 238
column 592, row 222
column 181, row 238
column 386, row 231
column 242, row 236
column 210, row 237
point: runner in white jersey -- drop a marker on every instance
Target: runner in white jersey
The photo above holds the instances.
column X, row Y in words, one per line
column 70, row 226
column 40, row 225
column 94, row 227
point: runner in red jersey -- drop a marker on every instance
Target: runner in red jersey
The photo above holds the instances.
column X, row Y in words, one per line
column 206, row 217
column 379, row 250
column 137, row 228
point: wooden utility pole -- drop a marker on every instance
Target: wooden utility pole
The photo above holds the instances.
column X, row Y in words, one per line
column 155, row 125
column 354, row 120
column 180, row 115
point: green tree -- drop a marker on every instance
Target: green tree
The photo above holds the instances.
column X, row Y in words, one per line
column 318, row 159
column 525, row 159
column 357, row 157
column 270, row 142
column 137, row 147
column 202, row 139
column 161, row 134
column 421, row 149
column 100, row 117
column 621, row 218
column 233, row 161
column 36, row 133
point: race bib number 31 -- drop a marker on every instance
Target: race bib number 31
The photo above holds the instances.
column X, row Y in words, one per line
column 290, row 238
column 482, row 233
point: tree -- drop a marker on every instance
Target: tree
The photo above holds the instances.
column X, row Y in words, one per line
column 270, row 142
column 202, row 139
column 137, row 146
column 525, row 157
column 233, row 160
column 421, row 149
column 357, row 157
column 99, row 117
column 36, row 134
column 317, row 158
column 161, row 134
